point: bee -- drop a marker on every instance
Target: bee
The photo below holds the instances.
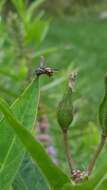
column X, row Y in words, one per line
column 43, row 70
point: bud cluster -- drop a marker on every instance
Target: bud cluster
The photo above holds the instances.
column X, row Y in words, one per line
column 65, row 117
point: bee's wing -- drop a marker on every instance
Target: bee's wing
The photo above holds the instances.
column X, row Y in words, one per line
column 42, row 61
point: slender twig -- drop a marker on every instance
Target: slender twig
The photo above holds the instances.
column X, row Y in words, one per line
column 67, row 151
column 96, row 154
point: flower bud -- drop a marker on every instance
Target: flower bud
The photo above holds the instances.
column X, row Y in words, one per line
column 51, row 151
column 103, row 111
column 44, row 138
column 65, row 107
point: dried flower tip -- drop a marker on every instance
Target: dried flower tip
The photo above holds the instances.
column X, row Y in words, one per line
column 72, row 80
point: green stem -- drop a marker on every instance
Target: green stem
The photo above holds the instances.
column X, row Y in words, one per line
column 96, row 154
column 67, row 150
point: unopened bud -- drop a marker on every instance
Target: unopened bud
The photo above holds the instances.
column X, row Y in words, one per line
column 65, row 107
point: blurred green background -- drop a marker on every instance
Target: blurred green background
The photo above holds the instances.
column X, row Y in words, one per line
column 71, row 35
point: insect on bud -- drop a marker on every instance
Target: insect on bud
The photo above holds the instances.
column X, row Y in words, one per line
column 65, row 107
column 103, row 111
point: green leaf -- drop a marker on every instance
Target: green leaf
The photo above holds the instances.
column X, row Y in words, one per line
column 11, row 149
column 36, row 31
column 30, row 176
column 11, row 188
column 68, row 187
column 2, row 2
column 7, row 91
column 54, row 175
column 101, row 172
column 20, row 7
column 76, row 187
column 48, row 51
column 33, row 7
column 103, row 185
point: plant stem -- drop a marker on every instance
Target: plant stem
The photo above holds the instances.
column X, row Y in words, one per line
column 96, row 154
column 67, row 150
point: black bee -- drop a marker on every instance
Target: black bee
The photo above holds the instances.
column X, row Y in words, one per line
column 44, row 70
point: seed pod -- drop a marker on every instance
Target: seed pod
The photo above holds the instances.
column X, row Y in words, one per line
column 103, row 111
column 65, row 107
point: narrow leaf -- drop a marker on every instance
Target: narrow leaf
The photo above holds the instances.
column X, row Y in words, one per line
column 33, row 8
column 11, row 149
column 20, row 7
column 55, row 176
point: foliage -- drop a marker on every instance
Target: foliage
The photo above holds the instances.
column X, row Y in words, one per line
column 68, row 7
column 24, row 163
column 11, row 152
column 21, row 33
